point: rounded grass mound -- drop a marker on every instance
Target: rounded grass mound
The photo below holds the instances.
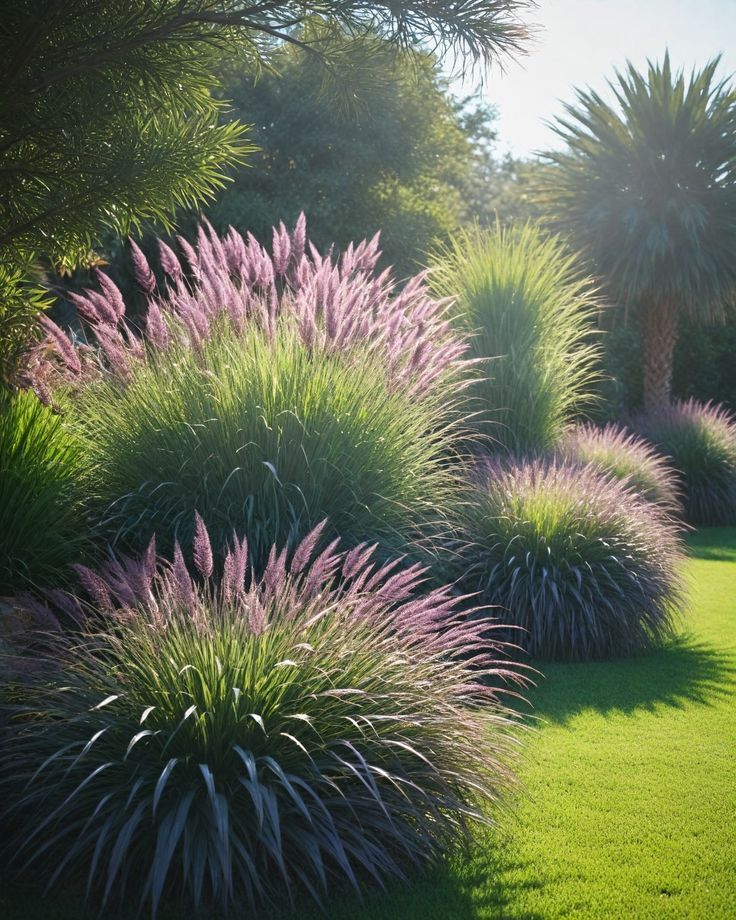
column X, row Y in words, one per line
column 529, row 313
column 41, row 531
column 576, row 559
column 263, row 437
column 623, row 455
column 699, row 440
column 324, row 723
column 268, row 392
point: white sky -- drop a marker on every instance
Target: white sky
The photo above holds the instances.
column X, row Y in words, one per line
column 579, row 42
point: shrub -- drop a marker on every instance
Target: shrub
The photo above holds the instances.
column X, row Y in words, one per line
column 325, row 721
column 624, row 456
column 520, row 293
column 587, row 568
column 40, row 502
column 267, row 393
column 699, row 439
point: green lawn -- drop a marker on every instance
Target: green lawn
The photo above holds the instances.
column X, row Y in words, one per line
column 630, row 789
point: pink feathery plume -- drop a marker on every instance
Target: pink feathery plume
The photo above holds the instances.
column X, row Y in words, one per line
column 169, row 261
column 202, row 548
column 144, row 277
column 61, row 343
column 156, row 330
column 112, row 293
column 281, row 249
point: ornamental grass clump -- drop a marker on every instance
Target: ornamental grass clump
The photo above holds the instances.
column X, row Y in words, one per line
column 699, row 441
column 268, row 391
column 586, row 567
column 627, row 457
column 530, row 315
column 41, row 507
column 231, row 743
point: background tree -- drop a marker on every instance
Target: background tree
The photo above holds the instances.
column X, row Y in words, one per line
column 647, row 184
column 703, row 366
column 107, row 115
column 407, row 159
column 503, row 189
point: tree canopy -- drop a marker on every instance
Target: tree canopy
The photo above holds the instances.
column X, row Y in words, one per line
column 405, row 160
column 647, row 185
column 108, row 116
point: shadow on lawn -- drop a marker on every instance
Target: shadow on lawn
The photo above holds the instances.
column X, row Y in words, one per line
column 715, row 544
column 680, row 674
column 713, row 553
column 485, row 883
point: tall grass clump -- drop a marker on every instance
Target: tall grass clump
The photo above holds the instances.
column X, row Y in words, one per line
column 520, row 296
column 41, row 518
column 232, row 743
column 268, row 391
column 625, row 456
column 586, row 567
column 699, row 440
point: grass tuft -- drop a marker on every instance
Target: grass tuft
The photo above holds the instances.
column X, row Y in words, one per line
column 699, row 440
column 240, row 741
column 41, row 524
column 268, row 391
column 625, row 456
column 530, row 315
column 578, row 560
column 264, row 438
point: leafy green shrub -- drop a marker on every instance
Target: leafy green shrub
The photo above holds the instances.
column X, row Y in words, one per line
column 575, row 558
column 406, row 160
column 41, row 528
column 325, row 722
column 520, row 294
column 699, row 439
column 624, row 456
column 268, row 393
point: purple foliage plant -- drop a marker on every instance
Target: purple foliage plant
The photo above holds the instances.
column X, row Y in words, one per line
column 333, row 301
column 698, row 440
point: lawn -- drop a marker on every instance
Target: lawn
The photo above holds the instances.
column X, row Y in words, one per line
column 630, row 789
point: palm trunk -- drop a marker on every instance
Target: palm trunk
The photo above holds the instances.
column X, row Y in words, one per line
column 658, row 338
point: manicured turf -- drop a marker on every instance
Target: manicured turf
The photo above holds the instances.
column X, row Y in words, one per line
column 630, row 800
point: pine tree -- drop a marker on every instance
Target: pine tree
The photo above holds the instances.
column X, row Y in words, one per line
column 108, row 117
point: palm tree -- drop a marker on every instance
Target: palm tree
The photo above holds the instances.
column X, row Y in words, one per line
column 647, row 185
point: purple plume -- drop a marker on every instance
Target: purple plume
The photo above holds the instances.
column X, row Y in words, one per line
column 169, row 262
column 299, row 238
column 202, row 548
column 191, row 257
column 179, row 586
column 156, row 330
column 112, row 293
column 63, row 347
column 235, row 568
column 331, row 302
column 281, row 249
column 293, row 587
column 145, row 279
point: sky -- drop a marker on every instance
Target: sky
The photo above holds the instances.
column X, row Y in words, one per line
column 580, row 42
